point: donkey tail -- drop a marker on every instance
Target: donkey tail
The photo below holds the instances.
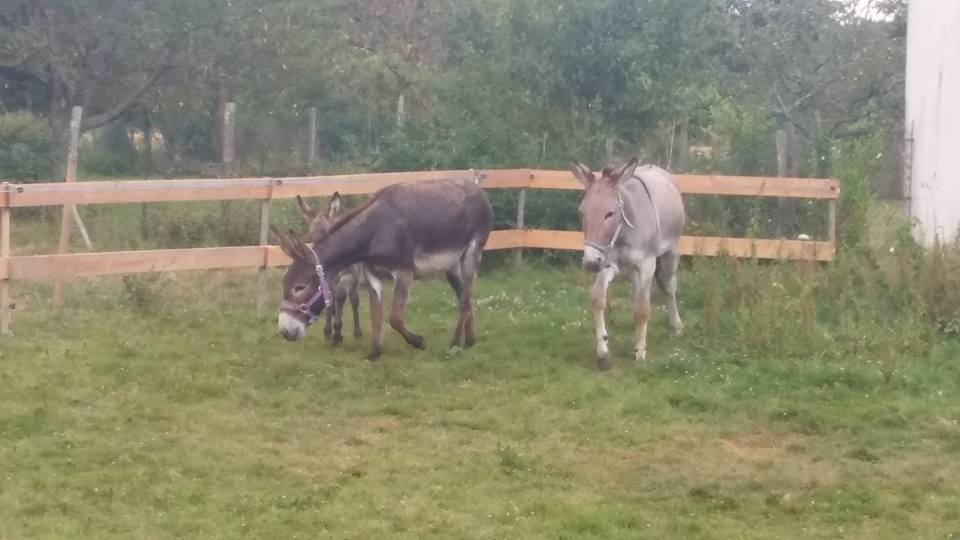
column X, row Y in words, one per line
column 658, row 275
column 666, row 269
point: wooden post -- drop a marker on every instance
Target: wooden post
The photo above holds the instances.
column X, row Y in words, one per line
column 787, row 166
column 226, row 166
column 81, row 228
column 311, row 137
column 76, row 116
column 264, row 238
column 832, row 221
column 521, row 209
column 5, row 257
column 229, row 113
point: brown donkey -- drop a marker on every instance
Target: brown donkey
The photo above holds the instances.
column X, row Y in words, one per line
column 346, row 283
column 405, row 231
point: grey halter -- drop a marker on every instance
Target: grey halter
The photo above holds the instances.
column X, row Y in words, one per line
column 616, row 233
column 625, row 220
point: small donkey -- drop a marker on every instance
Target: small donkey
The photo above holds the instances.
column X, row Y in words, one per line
column 347, row 282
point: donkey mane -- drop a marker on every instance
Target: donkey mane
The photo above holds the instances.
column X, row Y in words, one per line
column 354, row 212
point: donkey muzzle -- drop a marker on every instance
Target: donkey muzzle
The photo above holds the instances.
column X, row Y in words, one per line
column 594, row 260
column 291, row 328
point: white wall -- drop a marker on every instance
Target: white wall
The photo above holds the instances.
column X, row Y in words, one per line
column 933, row 118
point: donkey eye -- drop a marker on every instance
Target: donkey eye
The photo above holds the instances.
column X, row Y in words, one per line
column 299, row 288
column 609, row 215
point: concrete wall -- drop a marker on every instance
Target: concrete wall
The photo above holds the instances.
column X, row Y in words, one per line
column 933, row 118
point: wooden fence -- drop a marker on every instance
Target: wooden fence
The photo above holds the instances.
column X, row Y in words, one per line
column 263, row 256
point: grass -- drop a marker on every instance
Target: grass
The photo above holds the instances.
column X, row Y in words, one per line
column 162, row 407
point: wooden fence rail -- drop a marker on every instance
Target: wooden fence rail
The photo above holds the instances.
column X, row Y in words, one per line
column 262, row 256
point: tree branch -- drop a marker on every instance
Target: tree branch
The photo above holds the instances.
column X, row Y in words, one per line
column 111, row 114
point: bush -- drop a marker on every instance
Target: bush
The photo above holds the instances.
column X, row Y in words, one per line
column 26, row 147
column 942, row 288
column 111, row 154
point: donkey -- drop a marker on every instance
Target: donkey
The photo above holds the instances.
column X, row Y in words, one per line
column 632, row 217
column 344, row 284
column 404, row 232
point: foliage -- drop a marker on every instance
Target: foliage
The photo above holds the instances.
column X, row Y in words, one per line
column 25, row 146
column 941, row 282
column 855, row 163
column 112, row 154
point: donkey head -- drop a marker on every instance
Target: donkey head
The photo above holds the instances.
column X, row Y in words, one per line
column 318, row 225
column 601, row 211
column 305, row 289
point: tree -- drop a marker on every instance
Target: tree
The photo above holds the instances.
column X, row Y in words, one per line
column 822, row 70
column 102, row 55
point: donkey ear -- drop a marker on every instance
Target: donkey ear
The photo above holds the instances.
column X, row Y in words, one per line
column 625, row 171
column 302, row 250
column 308, row 213
column 583, row 173
column 334, row 207
column 284, row 242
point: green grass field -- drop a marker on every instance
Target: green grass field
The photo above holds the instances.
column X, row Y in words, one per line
column 163, row 407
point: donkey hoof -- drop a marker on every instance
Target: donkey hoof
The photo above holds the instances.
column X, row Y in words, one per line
column 417, row 342
column 469, row 342
column 357, row 334
column 603, row 363
column 639, row 356
column 374, row 355
column 676, row 331
column 337, row 339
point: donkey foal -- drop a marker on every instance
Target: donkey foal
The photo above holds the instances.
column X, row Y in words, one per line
column 346, row 283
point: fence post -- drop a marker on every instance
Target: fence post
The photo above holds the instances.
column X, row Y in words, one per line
column 264, row 238
column 76, row 115
column 5, row 257
column 832, row 221
column 311, row 137
column 521, row 209
column 229, row 134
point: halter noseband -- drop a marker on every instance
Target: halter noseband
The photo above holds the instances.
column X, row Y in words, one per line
column 616, row 233
column 323, row 291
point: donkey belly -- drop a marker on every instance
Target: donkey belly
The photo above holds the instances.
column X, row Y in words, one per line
column 430, row 264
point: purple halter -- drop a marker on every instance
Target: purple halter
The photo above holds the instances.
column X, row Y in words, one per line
column 323, row 291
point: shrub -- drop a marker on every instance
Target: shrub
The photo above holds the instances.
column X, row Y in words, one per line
column 26, row 147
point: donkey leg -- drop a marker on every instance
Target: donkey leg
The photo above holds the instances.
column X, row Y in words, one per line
column 455, row 279
column 598, row 300
column 667, row 279
column 400, row 294
column 328, row 324
column 642, row 280
column 340, row 299
column 376, row 316
column 355, row 304
column 471, row 263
